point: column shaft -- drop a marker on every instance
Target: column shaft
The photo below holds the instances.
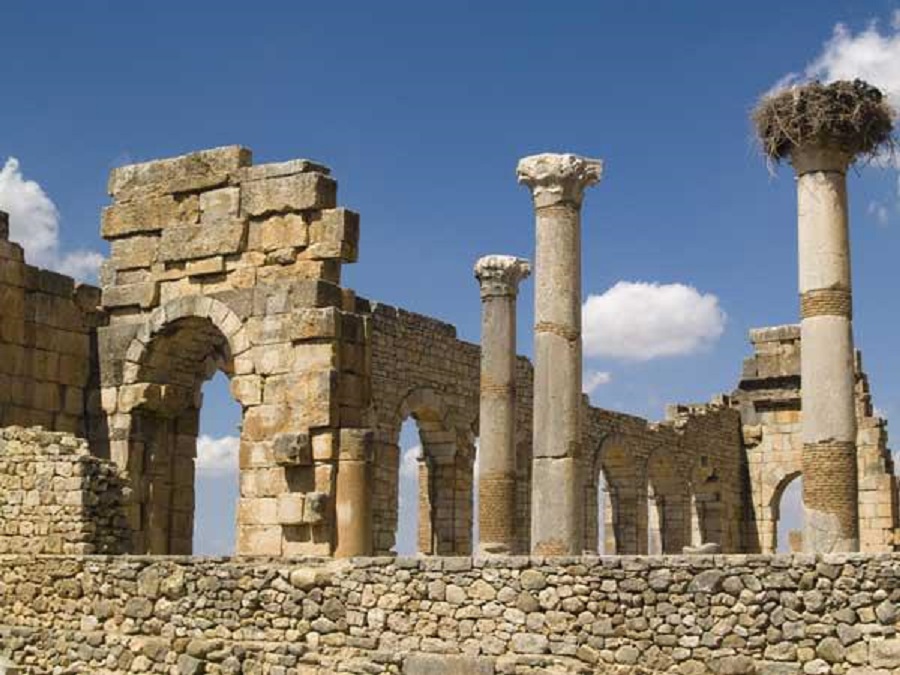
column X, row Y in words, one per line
column 353, row 498
column 499, row 277
column 557, row 183
column 830, row 492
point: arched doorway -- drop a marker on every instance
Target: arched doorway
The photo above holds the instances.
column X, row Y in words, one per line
column 788, row 514
column 668, row 521
column 612, row 499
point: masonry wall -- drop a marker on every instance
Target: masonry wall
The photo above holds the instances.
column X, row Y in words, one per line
column 689, row 615
column 769, row 400
column 55, row 497
column 48, row 360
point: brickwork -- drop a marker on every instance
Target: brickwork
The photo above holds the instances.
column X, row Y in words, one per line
column 48, row 360
column 217, row 264
column 768, row 398
column 682, row 615
column 826, row 302
column 836, row 464
column 55, row 497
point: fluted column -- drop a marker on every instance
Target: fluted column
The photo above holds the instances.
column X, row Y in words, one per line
column 499, row 277
column 830, row 491
column 557, row 184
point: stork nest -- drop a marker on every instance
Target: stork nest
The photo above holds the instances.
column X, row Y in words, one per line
column 850, row 116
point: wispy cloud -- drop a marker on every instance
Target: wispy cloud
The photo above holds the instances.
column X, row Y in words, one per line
column 594, row 379
column 34, row 223
column 639, row 321
column 217, row 455
column 871, row 54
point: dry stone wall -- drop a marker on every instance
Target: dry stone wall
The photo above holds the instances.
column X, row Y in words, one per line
column 836, row 614
column 55, row 497
column 48, row 358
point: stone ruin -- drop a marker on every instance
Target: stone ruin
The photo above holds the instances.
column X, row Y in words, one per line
column 217, row 264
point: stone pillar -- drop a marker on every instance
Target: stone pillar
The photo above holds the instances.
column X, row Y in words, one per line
column 499, row 277
column 353, row 494
column 557, row 184
column 830, row 494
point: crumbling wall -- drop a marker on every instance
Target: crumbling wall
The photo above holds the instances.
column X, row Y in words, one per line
column 667, row 485
column 661, row 614
column 55, row 497
column 217, row 264
column 768, row 397
column 48, row 359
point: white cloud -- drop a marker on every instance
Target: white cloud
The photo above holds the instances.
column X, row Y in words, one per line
column 34, row 223
column 879, row 212
column 595, row 379
column 639, row 321
column 409, row 462
column 873, row 55
column 217, row 455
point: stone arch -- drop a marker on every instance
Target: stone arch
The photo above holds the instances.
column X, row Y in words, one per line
column 775, row 507
column 668, row 503
column 179, row 347
column 615, row 464
column 445, row 476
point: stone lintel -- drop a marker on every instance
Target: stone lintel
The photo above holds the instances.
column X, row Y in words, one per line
column 558, row 178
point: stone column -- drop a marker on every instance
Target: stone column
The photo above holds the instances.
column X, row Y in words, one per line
column 830, row 494
column 557, row 184
column 353, row 494
column 499, row 277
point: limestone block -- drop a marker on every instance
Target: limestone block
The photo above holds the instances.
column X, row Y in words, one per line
column 259, row 540
column 141, row 295
column 187, row 173
column 247, row 389
column 293, row 449
column 149, row 215
column 219, row 206
column 200, row 241
column 136, row 251
column 205, row 266
column 291, row 508
column 356, row 444
column 334, row 234
column 258, row 511
column 262, row 422
column 314, row 356
column 446, row 664
column 314, row 507
column 276, row 169
column 298, row 192
column 278, row 231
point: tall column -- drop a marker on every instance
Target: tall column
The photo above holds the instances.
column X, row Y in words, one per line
column 557, row 184
column 830, row 493
column 499, row 277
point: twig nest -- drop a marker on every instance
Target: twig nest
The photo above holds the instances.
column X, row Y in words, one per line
column 853, row 117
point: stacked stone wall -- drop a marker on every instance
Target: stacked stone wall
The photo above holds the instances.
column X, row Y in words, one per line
column 48, row 361
column 690, row 614
column 55, row 497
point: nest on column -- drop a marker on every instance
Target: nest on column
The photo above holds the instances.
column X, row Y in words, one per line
column 850, row 116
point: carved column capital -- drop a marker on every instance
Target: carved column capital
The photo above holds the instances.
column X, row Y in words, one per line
column 558, row 178
column 501, row 274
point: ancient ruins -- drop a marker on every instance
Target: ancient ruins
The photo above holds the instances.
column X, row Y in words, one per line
column 220, row 264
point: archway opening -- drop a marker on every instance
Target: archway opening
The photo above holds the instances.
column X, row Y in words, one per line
column 606, row 533
column 406, row 535
column 788, row 515
column 162, row 464
column 217, row 487
column 668, row 519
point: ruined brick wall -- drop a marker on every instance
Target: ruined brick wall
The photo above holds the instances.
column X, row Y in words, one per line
column 48, row 359
column 769, row 400
column 55, row 497
column 219, row 264
column 667, row 485
column 692, row 615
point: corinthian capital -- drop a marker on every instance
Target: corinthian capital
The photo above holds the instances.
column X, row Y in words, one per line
column 557, row 178
column 501, row 274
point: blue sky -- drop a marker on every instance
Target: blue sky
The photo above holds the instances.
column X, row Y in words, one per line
column 422, row 111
